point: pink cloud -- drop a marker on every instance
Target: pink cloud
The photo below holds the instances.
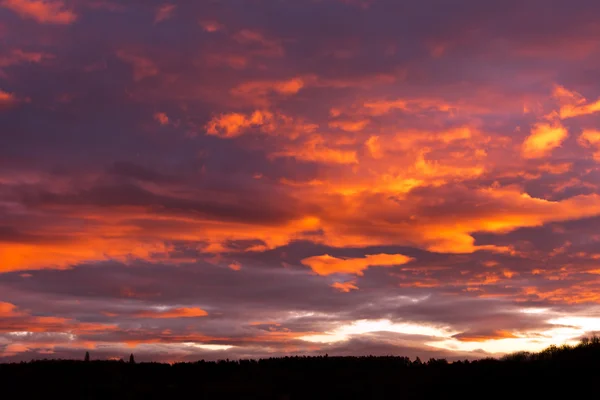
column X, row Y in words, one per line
column 43, row 11
column 7, row 99
column 164, row 12
column 235, row 266
column 211, row 26
column 184, row 312
column 161, row 118
column 18, row 56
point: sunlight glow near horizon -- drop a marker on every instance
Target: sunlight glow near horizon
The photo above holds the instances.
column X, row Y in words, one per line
column 534, row 310
column 530, row 341
column 361, row 327
column 210, row 347
column 568, row 331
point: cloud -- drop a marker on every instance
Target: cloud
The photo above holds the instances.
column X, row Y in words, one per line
column 484, row 336
column 42, row 11
column 235, row 266
column 235, row 61
column 316, row 150
column 261, row 88
column 211, row 26
column 345, row 287
column 382, row 220
column 164, row 12
column 162, row 118
column 591, row 139
column 18, row 56
column 8, row 310
column 573, row 104
column 328, row 265
column 23, row 323
column 374, row 146
column 234, row 124
column 267, row 46
column 349, row 126
column 382, row 107
column 184, row 312
column 7, row 99
column 544, row 138
column 370, row 326
column 142, row 67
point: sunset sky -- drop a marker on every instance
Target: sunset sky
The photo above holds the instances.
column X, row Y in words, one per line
column 252, row 178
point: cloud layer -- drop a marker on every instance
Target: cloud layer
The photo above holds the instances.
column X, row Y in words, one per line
column 205, row 180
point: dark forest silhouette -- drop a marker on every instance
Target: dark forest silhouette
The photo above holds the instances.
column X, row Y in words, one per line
column 556, row 372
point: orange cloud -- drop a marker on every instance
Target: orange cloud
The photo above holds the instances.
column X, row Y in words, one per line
column 142, row 67
column 257, row 90
column 7, row 99
column 183, row 312
column 164, row 12
column 350, row 126
column 455, row 134
column 575, row 294
column 234, row 124
column 359, row 219
column 315, row 149
column 261, row 88
column 544, row 138
column 382, row 107
column 161, row 118
column 15, row 348
column 574, row 104
column 436, row 171
column 345, row 287
column 109, row 314
column 8, row 310
column 43, row 11
column 22, row 322
column 374, row 146
column 556, row 169
column 231, row 125
column 590, row 138
column 413, row 143
column 369, row 219
column 235, row 266
column 327, row 265
column 83, row 246
column 484, row 336
column 365, row 82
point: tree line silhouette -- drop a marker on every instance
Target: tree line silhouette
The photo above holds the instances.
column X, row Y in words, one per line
column 87, row 358
column 566, row 371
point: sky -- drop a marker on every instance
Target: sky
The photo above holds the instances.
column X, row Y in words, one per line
column 253, row 178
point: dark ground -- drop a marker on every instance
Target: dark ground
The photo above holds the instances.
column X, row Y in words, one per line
column 565, row 372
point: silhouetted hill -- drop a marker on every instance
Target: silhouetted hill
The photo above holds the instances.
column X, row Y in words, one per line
column 567, row 372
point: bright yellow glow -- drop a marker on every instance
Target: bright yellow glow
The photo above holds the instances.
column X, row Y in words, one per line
column 361, row 327
column 210, row 347
column 543, row 139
